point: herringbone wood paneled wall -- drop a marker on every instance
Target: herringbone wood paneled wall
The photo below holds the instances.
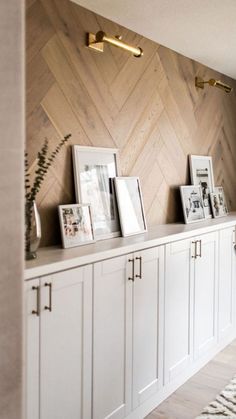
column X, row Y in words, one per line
column 148, row 108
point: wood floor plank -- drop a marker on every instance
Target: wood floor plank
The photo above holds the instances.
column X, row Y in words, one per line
column 189, row 400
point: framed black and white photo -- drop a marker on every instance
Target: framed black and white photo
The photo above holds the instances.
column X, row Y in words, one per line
column 192, row 202
column 201, row 171
column 94, row 169
column 76, row 225
column 218, row 202
column 130, row 205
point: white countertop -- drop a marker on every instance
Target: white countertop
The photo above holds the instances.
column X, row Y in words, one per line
column 55, row 259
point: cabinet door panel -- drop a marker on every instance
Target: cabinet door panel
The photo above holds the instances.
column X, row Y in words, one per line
column 226, row 282
column 147, row 321
column 178, row 308
column 66, row 336
column 112, row 339
column 32, row 349
column 205, row 295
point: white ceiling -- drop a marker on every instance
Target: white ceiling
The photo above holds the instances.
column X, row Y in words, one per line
column 204, row 30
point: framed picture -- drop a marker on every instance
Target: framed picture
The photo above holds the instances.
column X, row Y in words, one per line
column 94, row 169
column 202, row 174
column 192, row 202
column 76, row 224
column 218, row 202
column 130, row 205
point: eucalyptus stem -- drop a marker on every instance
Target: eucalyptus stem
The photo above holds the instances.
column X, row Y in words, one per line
column 44, row 162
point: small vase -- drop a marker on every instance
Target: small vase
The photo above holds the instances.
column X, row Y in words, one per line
column 32, row 230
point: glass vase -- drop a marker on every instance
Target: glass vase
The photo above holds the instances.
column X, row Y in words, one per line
column 32, row 230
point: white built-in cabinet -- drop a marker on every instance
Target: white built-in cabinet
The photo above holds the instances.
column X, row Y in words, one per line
column 59, row 345
column 128, row 319
column 111, row 339
column 191, row 296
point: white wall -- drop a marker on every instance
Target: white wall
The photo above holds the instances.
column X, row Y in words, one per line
column 11, row 205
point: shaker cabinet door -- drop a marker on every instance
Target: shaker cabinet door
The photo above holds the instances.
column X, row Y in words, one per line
column 178, row 328
column 66, row 345
column 148, row 306
column 205, row 294
column 112, row 338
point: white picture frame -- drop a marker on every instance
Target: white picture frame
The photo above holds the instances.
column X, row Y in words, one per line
column 192, row 202
column 94, row 169
column 201, row 171
column 218, row 202
column 130, row 205
column 76, row 225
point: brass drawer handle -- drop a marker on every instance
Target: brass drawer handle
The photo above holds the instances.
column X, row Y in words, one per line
column 140, row 267
column 37, row 311
column 49, row 307
column 131, row 278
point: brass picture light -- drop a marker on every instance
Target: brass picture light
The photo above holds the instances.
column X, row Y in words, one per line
column 199, row 82
column 97, row 41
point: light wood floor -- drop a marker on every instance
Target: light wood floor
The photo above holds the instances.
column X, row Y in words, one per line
column 189, row 400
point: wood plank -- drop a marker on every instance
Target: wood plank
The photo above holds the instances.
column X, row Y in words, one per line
column 38, row 29
column 71, row 33
column 170, row 63
column 131, row 72
column 69, row 124
column 76, row 94
column 175, row 116
column 39, row 127
column 173, row 146
column 39, row 79
column 137, row 102
column 141, row 133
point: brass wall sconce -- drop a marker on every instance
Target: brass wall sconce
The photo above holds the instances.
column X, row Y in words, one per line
column 97, row 41
column 199, row 82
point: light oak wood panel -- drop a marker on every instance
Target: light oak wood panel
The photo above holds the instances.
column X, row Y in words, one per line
column 149, row 108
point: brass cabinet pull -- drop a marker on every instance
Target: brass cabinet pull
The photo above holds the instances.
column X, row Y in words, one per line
column 37, row 311
column 200, row 249
column 140, row 267
column 194, row 256
column 131, row 278
column 200, row 252
column 49, row 307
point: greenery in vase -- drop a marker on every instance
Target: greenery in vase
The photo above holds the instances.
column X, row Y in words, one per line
column 44, row 161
